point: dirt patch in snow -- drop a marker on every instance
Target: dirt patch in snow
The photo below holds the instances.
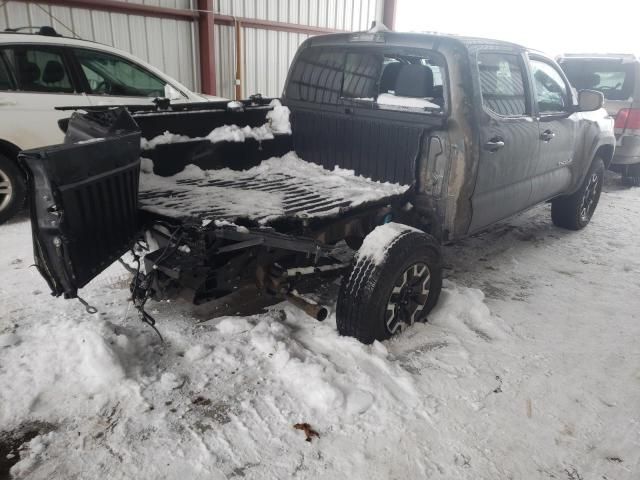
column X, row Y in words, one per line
column 12, row 441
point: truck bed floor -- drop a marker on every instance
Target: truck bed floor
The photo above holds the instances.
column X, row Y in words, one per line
column 277, row 188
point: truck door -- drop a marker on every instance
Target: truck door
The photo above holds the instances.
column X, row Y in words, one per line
column 557, row 130
column 83, row 196
column 509, row 144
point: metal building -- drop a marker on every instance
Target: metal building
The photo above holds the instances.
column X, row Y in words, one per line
column 231, row 48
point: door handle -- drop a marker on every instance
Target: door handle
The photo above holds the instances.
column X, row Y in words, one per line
column 348, row 110
column 495, row 144
column 547, row 135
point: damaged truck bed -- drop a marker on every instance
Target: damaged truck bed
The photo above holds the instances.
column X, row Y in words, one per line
column 279, row 189
column 221, row 209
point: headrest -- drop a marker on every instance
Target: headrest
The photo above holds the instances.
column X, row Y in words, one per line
column 389, row 77
column 414, row 81
column 587, row 80
column 29, row 72
column 53, row 72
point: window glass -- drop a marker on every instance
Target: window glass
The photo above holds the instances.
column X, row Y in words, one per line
column 111, row 75
column 39, row 70
column 550, row 90
column 361, row 74
column 6, row 82
column 317, row 76
column 614, row 79
column 381, row 78
column 502, row 84
column 411, row 82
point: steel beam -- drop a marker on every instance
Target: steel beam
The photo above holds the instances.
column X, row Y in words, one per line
column 206, row 43
column 389, row 14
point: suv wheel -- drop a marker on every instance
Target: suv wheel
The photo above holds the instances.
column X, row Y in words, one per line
column 380, row 298
column 575, row 211
column 12, row 189
column 631, row 177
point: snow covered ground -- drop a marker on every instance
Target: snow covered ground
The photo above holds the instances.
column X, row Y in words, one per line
column 529, row 368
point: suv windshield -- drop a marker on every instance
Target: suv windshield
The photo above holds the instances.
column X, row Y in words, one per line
column 611, row 77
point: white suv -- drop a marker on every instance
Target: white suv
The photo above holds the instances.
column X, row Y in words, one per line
column 39, row 72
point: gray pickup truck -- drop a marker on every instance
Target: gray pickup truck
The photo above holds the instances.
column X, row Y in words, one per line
column 397, row 143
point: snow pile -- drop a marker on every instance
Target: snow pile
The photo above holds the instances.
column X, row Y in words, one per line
column 377, row 243
column 378, row 27
column 63, row 366
column 277, row 124
column 233, row 133
column 279, row 118
column 223, row 396
column 198, row 193
column 165, row 138
column 235, row 105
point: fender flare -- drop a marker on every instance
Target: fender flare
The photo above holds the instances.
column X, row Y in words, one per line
column 603, row 146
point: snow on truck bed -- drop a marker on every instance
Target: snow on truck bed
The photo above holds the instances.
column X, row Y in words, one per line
column 279, row 187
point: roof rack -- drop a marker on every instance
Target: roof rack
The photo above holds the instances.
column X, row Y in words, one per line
column 45, row 30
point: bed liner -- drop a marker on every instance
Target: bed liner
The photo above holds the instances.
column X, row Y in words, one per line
column 280, row 187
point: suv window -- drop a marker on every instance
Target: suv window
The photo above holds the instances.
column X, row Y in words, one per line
column 6, row 82
column 39, row 69
column 112, row 75
column 611, row 77
column 550, row 89
column 502, row 83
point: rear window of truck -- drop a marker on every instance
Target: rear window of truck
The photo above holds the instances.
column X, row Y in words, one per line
column 388, row 79
column 611, row 77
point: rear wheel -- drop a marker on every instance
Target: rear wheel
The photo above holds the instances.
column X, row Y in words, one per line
column 390, row 290
column 575, row 211
column 12, row 189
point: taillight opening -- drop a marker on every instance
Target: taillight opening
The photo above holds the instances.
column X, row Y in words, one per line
column 628, row 119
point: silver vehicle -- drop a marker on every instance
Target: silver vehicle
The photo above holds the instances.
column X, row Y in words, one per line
column 617, row 76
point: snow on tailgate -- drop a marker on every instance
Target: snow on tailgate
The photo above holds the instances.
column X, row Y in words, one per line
column 278, row 187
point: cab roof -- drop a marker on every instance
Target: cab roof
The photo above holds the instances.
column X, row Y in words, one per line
column 410, row 39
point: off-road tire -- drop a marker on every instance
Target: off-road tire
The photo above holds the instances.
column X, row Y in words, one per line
column 366, row 290
column 11, row 197
column 575, row 211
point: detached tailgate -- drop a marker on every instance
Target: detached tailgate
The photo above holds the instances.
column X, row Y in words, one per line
column 84, row 200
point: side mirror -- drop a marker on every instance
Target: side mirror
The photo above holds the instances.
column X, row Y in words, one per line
column 589, row 100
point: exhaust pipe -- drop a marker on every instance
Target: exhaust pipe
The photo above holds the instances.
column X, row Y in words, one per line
column 310, row 308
